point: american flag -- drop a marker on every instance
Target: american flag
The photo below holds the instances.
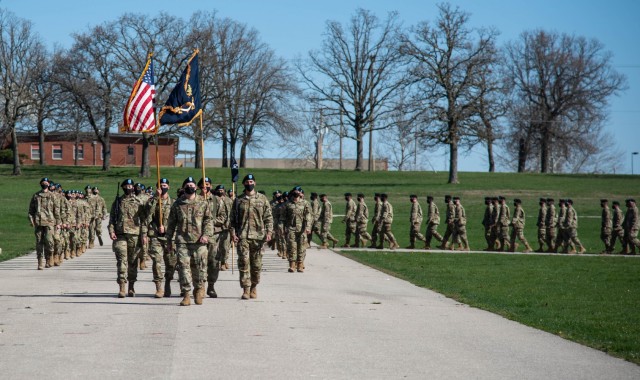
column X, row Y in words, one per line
column 138, row 114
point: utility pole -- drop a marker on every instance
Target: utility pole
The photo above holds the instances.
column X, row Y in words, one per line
column 632, row 154
column 341, row 126
column 371, row 163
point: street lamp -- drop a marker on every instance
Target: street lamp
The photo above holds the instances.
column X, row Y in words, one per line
column 632, row 154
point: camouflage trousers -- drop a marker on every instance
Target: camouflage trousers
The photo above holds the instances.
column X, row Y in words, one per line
column 517, row 233
column 249, row 261
column 157, row 251
column 213, row 258
column 430, row 233
column 542, row 236
column 124, row 248
column 192, row 270
column 97, row 226
column 605, row 236
column 224, row 246
column 552, row 235
column 487, row 236
column 281, row 243
column 414, row 233
column 503, row 236
column 631, row 239
column 44, row 241
column 385, row 232
column 325, row 233
column 64, row 241
column 91, row 231
column 447, row 233
column 297, row 244
column 619, row 235
column 460, row 236
column 58, row 241
column 362, row 234
column 350, row 229
column 375, row 231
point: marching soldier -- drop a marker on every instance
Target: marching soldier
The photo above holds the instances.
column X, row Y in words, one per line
column 571, row 228
column 213, row 266
column 495, row 214
column 551, row 223
column 92, row 202
column 460, row 226
column 562, row 241
column 43, row 213
column 606, row 226
column 220, row 219
column 503, row 223
column 362, row 219
column 278, row 223
column 315, row 215
column 632, row 225
column 433, row 220
column 251, row 226
column 160, row 204
column 349, row 219
column 618, row 228
column 190, row 226
column 542, row 224
column 101, row 213
column 375, row 231
column 224, row 241
column 142, row 248
column 126, row 225
column 326, row 218
column 58, row 231
column 449, row 221
column 415, row 222
column 386, row 220
column 486, row 222
column 517, row 227
column 297, row 221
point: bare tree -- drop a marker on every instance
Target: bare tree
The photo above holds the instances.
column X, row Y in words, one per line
column 567, row 80
column 399, row 142
column 357, row 73
column 450, row 59
column 20, row 53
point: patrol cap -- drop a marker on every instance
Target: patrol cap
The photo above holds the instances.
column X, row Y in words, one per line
column 323, row 195
column 164, row 180
column 360, row 195
column 219, row 187
column 487, row 198
column 347, row 194
column 187, row 180
column 517, row 200
column 413, row 196
column 59, row 186
column 297, row 188
column 456, row 198
column 93, row 188
column 447, row 197
column 549, row 199
column 285, row 194
column 501, row 198
column 604, row 201
column 44, row 179
column 87, row 187
column 632, row 200
column 127, row 181
column 429, row 198
column 248, row 177
column 543, row 199
column 383, row 196
column 570, row 201
column 206, row 179
column 615, row 203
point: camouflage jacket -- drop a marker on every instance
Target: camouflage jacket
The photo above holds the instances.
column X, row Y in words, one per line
column 362, row 213
column 61, row 204
column 416, row 214
column 542, row 217
column 518, row 217
column 221, row 216
column 495, row 214
column 486, row 219
column 189, row 220
column 460, row 216
column 631, row 219
column 315, row 209
column 297, row 216
column 376, row 212
column 451, row 210
column 607, row 223
column 350, row 212
column 92, row 201
column 433, row 215
column 43, row 209
column 72, row 212
column 551, row 220
column 386, row 213
column 326, row 213
column 278, row 214
column 618, row 219
column 251, row 216
column 129, row 218
column 86, row 213
column 562, row 217
column 503, row 216
column 153, row 215
column 571, row 218
column 101, row 207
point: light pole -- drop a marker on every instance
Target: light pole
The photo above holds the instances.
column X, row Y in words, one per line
column 632, row 154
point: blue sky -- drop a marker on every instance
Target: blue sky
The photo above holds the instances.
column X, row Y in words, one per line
column 293, row 27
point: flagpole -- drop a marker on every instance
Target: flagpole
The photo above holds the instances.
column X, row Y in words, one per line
column 233, row 244
column 158, row 174
column 202, row 148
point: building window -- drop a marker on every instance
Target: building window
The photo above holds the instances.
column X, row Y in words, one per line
column 35, row 152
column 78, row 152
column 130, row 150
column 56, row 152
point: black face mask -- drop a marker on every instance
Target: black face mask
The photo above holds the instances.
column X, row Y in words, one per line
column 128, row 191
column 43, row 186
column 249, row 187
column 164, row 190
column 189, row 190
column 138, row 191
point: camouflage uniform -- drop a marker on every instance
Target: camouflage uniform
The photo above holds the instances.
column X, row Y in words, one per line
column 349, row 220
column 142, row 249
column 415, row 222
column 542, row 225
column 190, row 220
column 375, row 231
column 43, row 212
column 326, row 218
column 64, row 230
column 571, row 228
column 73, row 217
column 297, row 222
column 562, row 240
column 101, row 212
column 279, row 235
column 362, row 219
column 551, row 222
column 504, row 217
column 632, row 225
column 127, row 222
column 517, row 228
column 460, row 227
column 449, row 221
column 216, row 258
column 315, row 215
column 92, row 201
column 433, row 220
column 224, row 241
column 486, row 223
column 618, row 227
column 251, row 222
column 158, row 250
column 606, row 227
column 213, row 265
column 58, row 234
column 87, row 218
column 386, row 220
column 495, row 214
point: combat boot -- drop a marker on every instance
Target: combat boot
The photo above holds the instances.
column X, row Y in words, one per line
column 198, row 295
column 91, row 245
column 411, row 246
column 167, row 288
column 426, row 246
column 142, row 265
column 527, row 248
column 159, row 292
column 122, row 292
column 292, row 266
column 323, row 246
column 131, row 292
column 226, row 266
column 100, row 240
column 211, row 292
column 56, row 260
column 254, row 291
column 300, row 266
column 245, row 293
column 186, row 300
column 582, row 250
column 40, row 263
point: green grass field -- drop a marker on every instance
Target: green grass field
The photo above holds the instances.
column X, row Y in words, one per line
column 592, row 300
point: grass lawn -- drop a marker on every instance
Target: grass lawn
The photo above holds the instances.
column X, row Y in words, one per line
column 590, row 300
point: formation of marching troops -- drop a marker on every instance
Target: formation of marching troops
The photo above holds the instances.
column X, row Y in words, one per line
column 194, row 234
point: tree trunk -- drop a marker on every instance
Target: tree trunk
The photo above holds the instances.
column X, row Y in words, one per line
column 492, row 164
column 243, row 155
column 106, row 150
column 545, row 149
column 144, row 167
column 16, row 156
column 225, row 148
column 453, row 161
column 372, row 167
column 198, row 163
column 43, row 156
column 522, row 155
column 359, row 148
column 232, row 146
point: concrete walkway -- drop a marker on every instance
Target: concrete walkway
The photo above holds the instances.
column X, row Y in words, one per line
column 338, row 320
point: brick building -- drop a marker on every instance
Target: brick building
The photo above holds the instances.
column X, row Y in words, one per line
column 126, row 150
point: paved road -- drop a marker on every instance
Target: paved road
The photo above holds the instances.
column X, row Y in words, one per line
column 339, row 320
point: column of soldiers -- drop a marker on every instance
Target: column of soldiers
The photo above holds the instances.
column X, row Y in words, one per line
column 66, row 222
